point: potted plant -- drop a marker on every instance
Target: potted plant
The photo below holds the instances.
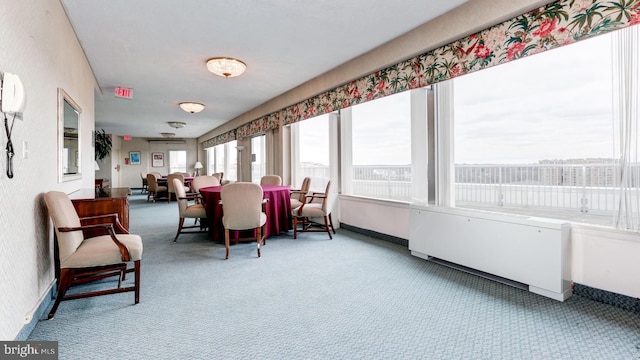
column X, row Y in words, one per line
column 102, row 144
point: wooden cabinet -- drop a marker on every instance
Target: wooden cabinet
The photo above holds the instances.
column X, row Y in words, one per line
column 90, row 202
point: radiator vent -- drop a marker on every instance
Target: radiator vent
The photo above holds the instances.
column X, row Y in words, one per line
column 521, row 251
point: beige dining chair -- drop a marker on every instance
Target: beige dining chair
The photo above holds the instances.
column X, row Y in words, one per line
column 154, row 191
column 219, row 175
column 201, row 181
column 298, row 196
column 242, row 205
column 143, row 176
column 171, row 187
column 86, row 259
column 317, row 205
column 185, row 210
column 271, row 180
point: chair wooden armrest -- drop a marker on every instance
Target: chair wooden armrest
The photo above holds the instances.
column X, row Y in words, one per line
column 309, row 198
column 124, row 252
column 113, row 219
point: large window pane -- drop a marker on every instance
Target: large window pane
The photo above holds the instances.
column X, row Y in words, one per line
column 381, row 148
column 258, row 149
column 177, row 161
column 313, row 152
column 537, row 133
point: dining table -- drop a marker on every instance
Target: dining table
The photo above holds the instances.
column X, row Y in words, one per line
column 187, row 180
column 277, row 208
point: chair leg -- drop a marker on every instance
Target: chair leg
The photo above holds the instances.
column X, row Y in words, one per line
column 226, row 242
column 66, row 276
column 326, row 226
column 136, row 265
column 331, row 223
column 180, row 223
column 295, row 227
column 259, row 238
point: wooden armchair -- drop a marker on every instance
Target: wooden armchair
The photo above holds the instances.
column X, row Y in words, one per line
column 85, row 259
column 299, row 196
column 185, row 210
column 317, row 205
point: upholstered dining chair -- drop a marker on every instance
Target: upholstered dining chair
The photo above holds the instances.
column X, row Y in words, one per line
column 186, row 210
column 271, row 180
column 82, row 260
column 154, row 190
column 171, row 187
column 242, row 210
column 298, row 196
column 143, row 176
column 219, row 175
column 201, row 181
column 317, row 205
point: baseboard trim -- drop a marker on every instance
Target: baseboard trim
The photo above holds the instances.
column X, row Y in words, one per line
column 375, row 234
column 607, row 297
column 37, row 314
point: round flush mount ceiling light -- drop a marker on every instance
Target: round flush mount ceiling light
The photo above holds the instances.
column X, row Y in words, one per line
column 191, row 107
column 168, row 134
column 226, row 67
column 177, row 124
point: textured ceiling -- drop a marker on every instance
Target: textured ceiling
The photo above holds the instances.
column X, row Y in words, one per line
column 159, row 48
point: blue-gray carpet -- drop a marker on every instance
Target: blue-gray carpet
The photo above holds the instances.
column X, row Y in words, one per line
column 353, row 297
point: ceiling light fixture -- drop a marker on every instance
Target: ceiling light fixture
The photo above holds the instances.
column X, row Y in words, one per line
column 191, row 107
column 177, row 124
column 226, row 67
column 168, row 135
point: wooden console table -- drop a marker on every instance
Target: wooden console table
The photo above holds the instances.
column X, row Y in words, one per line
column 90, row 202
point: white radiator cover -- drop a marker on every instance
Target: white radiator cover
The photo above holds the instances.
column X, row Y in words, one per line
column 532, row 251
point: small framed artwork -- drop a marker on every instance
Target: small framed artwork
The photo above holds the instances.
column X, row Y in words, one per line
column 134, row 157
column 157, row 159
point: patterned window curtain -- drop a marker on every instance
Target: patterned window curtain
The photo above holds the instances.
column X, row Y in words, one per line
column 626, row 52
column 553, row 25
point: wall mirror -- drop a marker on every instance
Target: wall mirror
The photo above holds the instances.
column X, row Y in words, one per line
column 69, row 153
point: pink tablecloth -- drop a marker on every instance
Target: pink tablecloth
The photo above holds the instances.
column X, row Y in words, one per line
column 278, row 210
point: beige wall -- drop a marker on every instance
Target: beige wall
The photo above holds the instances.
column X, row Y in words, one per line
column 130, row 174
column 39, row 45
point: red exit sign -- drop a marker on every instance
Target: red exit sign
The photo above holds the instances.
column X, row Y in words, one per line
column 125, row 93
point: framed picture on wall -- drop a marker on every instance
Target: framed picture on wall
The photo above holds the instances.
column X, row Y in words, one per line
column 134, row 157
column 157, row 159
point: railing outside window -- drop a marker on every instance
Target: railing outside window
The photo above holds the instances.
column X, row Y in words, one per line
column 575, row 188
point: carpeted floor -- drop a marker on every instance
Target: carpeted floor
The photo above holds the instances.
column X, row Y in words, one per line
column 353, row 297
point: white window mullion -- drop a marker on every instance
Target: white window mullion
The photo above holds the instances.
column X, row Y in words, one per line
column 445, row 156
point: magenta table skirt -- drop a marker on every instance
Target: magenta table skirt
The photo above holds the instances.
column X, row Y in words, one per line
column 278, row 210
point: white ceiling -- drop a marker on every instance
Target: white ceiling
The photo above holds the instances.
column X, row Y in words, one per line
column 159, row 48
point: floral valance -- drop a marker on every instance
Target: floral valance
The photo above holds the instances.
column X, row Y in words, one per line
column 553, row 25
column 220, row 139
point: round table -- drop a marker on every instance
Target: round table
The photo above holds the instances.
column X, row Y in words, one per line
column 278, row 210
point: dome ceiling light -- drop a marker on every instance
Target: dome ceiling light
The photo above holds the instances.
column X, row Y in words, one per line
column 177, row 124
column 226, row 67
column 191, row 107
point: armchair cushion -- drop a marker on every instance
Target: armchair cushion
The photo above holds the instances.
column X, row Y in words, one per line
column 101, row 250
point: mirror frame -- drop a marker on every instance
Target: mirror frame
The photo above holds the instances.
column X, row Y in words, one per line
column 62, row 98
